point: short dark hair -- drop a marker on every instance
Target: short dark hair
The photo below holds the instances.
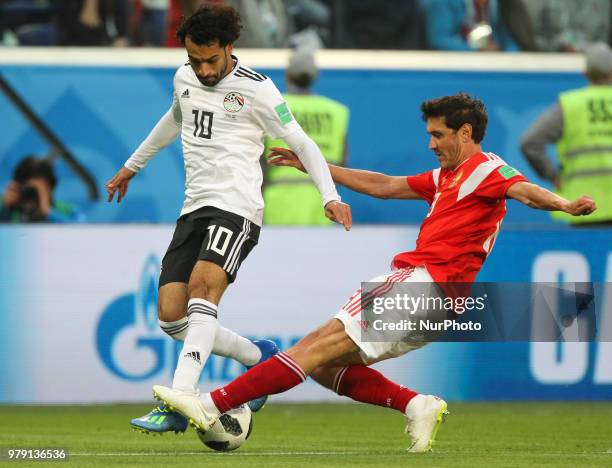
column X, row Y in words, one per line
column 211, row 23
column 457, row 110
column 31, row 167
column 303, row 80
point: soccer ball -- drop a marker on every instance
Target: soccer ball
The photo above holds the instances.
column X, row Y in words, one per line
column 229, row 431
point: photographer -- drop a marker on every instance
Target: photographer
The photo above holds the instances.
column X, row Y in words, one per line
column 28, row 198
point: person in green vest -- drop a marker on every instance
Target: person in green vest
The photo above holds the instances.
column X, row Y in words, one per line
column 580, row 124
column 290, row 197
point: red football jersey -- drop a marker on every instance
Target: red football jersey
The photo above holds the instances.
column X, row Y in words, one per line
column 467, row 206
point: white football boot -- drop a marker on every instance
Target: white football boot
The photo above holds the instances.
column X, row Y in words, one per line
column 424, row 414
column 188, row 404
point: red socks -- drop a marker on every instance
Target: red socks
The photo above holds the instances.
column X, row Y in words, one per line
column 367, row 385
column 281, row 373
column 276, row 375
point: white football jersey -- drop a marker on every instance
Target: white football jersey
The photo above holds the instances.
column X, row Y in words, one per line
column 222, row 131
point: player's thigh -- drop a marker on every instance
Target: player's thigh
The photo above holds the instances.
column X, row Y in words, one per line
column 182, row 253
column 374, row 345
column 172, row 301
column 176, row 267
column 228, row 240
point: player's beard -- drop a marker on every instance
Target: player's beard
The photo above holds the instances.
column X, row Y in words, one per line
column 450, row 158
column 213, row 81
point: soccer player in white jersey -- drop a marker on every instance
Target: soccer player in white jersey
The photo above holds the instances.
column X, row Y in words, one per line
column 467, row 198
column 222, row 110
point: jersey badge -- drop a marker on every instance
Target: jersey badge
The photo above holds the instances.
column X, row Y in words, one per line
column 507, row 172
column 233, row 102
column 455, row 180
column 284, row 115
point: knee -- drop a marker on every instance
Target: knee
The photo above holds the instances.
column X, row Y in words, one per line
column 170, row 309
column 197, row 287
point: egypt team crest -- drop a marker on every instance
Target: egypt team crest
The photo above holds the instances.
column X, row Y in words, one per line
column 233, row 102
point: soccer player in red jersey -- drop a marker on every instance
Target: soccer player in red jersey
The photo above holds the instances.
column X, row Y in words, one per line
column 467, row 197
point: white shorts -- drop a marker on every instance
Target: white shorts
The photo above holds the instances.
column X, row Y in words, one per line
column 351, row 316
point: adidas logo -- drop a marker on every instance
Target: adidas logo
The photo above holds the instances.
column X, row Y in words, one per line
column 195, row 355
column 185, row 93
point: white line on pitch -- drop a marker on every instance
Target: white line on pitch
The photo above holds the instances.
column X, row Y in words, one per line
column 238, row 454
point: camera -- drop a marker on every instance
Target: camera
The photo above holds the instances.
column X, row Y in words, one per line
column 29, row 204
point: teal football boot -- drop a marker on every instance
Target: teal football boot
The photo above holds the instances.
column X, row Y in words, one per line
column 160, row 420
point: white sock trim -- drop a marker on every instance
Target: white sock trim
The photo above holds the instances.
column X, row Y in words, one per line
column 201, row 306
column 177, row 329
column 291, row 364
column 338, row 380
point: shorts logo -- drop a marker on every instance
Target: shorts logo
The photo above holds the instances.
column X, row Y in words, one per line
column 233, row 102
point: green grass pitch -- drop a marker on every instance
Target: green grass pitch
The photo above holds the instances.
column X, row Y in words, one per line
column 474, row 435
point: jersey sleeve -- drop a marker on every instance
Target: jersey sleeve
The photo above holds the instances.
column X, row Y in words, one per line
column 423, row 184
column 272, row 112
column 498, row 182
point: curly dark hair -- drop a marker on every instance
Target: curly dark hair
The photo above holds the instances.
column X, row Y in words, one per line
column 33, row 167
column 211, row 23
column 457, row 110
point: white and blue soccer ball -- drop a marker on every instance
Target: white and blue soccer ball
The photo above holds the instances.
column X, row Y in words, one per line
column 230, row 431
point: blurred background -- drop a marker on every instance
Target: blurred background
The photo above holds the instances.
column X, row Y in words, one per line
column 84, row 81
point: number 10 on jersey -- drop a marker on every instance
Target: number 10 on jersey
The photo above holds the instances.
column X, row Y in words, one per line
column 203, row 123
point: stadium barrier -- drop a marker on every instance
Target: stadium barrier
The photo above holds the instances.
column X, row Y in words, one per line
column 78, row 312
column 102, row 102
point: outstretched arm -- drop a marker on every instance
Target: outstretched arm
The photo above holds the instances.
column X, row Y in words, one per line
column 539, row 198
column 164, row 133
column 310, row 156
column 374, row 184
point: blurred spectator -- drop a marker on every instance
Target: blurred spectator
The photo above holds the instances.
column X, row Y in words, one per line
column 150, row 22
column 580, row 125
column 290, row 196
column 28, row 197
column 28, row 22
column 311, row 19
column 515, row 16
column 569, row 25
column 371, row 24
column 93, row 22
column 266, row 23
column 464, row 25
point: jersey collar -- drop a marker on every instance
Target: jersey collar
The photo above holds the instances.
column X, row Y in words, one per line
column 452, row 171
column 231, row 73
